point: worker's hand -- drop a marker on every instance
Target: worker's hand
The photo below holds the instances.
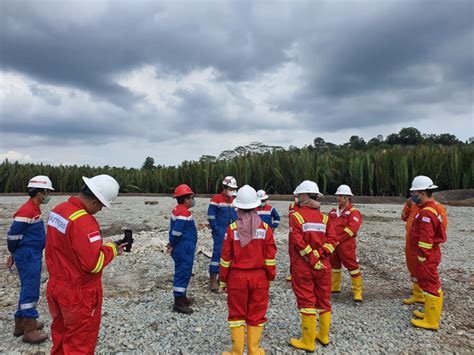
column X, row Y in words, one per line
column 120, row 248
column 10, row 261
column 222, row 287
column 169, row 249
column 409, row 202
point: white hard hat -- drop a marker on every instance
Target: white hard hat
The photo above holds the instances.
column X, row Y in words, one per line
column 104, row 187
column 344, row 190
column 246, row 198
column 230, row 181
column 307, row 187
column 262, row 195
column 41, row 182
column 421, row 183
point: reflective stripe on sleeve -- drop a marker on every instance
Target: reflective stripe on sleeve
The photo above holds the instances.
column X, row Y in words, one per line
column 425, row 245
column 270, row 262
column 348, row 231
column 15, row 237
column 224, row 263
column 77, row 214
column 329, row 247
column 100, row 263
column 306, row 250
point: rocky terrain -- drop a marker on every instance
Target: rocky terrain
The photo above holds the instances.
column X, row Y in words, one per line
column 137, row 316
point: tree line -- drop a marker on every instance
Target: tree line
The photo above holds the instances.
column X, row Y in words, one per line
column 385, row 168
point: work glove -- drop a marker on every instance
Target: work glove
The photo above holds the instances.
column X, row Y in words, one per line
column 314, row 260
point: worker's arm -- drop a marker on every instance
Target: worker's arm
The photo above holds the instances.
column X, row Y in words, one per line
column 226, row 258
column 297, row 239
column 331, row 239
column 177, row 227
column 427, row 226
column 212, row 215
column 21, row 221
column 406, row 210
column 270, row 254
column 275, row 218
column 353, row 224
column 86, row 241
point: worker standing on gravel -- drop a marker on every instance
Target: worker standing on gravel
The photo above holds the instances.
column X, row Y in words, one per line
column 75, row 257
column 410, row 210
column 267, row 213
column 220, row 214
column 312, row 240
column 182, row 246
column 247, row 266
column 347, row 221
column 426, row 234
column 25, row 240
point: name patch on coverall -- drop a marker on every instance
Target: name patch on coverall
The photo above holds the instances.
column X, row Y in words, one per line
column 58, row 222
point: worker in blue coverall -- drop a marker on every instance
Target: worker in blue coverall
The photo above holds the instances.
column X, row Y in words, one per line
column 26, row 240
column 182, row 246
column 221, row 213
column 266, row 212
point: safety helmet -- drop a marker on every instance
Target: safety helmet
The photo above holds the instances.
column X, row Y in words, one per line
column 344, row 190
column 307, row 187
column 104, row 187
column 40, row 182
column 183, row 190
column 262, row 195
column 230, row 181
column 421, row 183
column 246, row 198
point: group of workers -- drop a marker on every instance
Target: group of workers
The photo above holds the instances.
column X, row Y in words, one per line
column 242, row 264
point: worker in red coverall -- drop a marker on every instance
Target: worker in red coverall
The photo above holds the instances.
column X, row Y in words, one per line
column 426, row 234
column 347, row 221
column 410, row 210
column 75, row 257
column 312, row 240
column 247, row 266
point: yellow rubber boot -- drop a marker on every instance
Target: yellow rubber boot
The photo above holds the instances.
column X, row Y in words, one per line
column 308, row 334
column 238, row 337
column 324, row 324
column 416, row 296
column 419, row 314
column 336, row 281
column 357, row 288
column 288, row 278
column 433, row 308
column 254, row 334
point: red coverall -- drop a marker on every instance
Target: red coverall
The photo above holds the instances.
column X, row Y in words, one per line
column 426, row 233
column 246, row 272
column 346, row 225
column 75, row 257
column 408, row 215
column 312, row 239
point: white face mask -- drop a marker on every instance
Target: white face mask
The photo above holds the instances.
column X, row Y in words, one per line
column 46, row 199
column 229, row 193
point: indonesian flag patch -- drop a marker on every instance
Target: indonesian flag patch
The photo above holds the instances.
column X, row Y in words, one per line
column 94, row 236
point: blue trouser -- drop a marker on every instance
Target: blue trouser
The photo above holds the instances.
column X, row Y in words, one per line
column 218, row 239
column 183, row 256
column 28, row 264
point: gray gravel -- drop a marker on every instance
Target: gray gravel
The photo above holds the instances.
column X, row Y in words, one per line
column 137, row 316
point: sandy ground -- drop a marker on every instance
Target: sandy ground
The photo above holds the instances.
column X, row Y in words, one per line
column 137, row 313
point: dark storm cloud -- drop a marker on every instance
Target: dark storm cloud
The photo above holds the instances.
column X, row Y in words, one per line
column 361, row 63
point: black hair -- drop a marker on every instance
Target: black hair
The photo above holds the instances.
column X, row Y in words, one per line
column 313, row 196
column 85, row 190
column 33, row 191
column 183, row 198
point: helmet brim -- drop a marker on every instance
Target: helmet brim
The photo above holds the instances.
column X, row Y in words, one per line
column 246, row 206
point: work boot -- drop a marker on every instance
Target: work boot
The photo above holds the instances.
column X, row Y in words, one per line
column 189, row 300
column 254, row 334
column 308, row 334
column 419, row 314
column 213, row 284
column 324, row 324
column 433, row 308
column 181, row 306
column 416, row 296
column 288, row 278
column 357, row 288
column 19, row 326
column 336, row 281
column 237, row 335
column 31, row 334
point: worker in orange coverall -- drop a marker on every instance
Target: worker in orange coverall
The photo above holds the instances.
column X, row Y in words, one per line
column 410, row 210
column 247, row 266
column 75, row 257
column 312, row 240
column 347, row 221
column 426, row 234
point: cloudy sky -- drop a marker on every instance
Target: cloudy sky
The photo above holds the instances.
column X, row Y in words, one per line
column 112, row 82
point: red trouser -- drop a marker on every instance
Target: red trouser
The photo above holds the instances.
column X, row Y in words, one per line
column 75, row 313
column 427, row 272
column 312, row 288
column 410, row 258
column 345, row 254
column 247, row 296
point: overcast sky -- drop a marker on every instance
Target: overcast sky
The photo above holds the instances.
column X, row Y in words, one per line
column 112, row 82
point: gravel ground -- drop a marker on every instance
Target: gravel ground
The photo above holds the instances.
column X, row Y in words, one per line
column 137, row 316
